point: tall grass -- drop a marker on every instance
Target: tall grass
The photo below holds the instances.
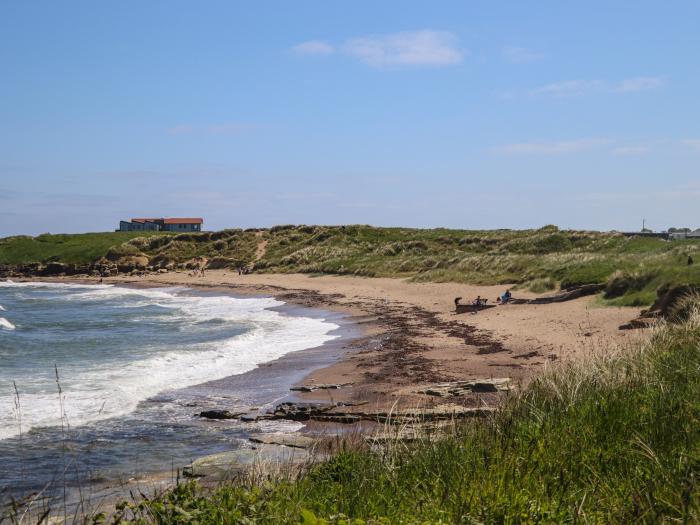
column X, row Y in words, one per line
column 613, row 440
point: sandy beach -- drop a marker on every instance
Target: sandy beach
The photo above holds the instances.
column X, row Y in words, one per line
column 413, row 338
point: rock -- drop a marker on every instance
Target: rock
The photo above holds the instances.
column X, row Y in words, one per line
column 320, row 386
column 461, row 388
column 293, row 440
column 334, row 413
column 220, row 414
column 228, row 465
column 439, row 413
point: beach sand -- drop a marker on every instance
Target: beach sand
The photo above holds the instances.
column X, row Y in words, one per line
column 414, row 339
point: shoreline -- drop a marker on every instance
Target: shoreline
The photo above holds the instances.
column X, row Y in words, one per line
column 411, row 336
column 258, row 389
column 406, row 337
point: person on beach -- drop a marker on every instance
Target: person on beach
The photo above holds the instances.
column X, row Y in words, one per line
column 506, row 297
column 478, row 301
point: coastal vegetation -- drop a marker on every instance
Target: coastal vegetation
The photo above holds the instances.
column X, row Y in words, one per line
column 614, row 439
column 540, row 260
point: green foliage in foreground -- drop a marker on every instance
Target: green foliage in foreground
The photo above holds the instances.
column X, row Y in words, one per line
column 538, row 260
column 68, row 248
column 613, row 441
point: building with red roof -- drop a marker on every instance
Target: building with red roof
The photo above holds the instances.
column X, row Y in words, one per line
column 166, row 224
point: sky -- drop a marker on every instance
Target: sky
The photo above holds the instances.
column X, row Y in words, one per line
column 394, row 113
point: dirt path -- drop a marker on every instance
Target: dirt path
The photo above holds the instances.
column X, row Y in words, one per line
column 261, row 248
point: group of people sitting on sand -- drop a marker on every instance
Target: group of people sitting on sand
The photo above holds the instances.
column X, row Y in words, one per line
column 479, row 302
column 503, row 299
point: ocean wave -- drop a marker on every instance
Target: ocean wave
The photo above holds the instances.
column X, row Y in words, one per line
column 106, row 391
column 6, row 325
column 2, row 308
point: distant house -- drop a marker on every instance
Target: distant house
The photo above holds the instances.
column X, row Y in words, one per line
column 171, row 224
column 686, row 235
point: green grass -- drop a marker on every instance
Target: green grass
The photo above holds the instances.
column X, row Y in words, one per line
column 538, row 259
column 614, row 440
column 69, row 248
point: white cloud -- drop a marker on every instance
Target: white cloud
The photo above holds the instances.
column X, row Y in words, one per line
column 551, row 148
column 570, row 88
column 630, row 85
column 630, row 151
column 407, row 48
column 520, row 55
column 313, row 48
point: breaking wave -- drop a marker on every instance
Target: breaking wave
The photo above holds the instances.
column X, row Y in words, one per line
column 115, row 347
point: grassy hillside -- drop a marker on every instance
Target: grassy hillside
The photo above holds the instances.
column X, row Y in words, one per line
column 536, row 259
column 69, row 248
column 616, row 440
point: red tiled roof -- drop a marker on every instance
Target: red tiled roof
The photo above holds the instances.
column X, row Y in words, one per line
column 183, row 221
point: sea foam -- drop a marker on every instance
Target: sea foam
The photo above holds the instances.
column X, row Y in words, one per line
column 103, row 390
column 5, row 324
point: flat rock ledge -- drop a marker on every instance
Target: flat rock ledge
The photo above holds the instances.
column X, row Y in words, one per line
column 220, row 414
column 461, row 388
column 320, row 386
column 339, row 413
column 293, row 440
column 229, row 465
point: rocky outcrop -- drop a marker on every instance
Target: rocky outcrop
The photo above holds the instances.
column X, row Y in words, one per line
column 348, row 413
column 229, row 465
column 664, row 308
column 461, row 388
column 320, row 386
column 294, row 440
column 220, row 414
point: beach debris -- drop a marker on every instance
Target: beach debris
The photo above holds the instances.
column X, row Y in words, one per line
column 320, row 386
column 461, row 388
column 573, row 292
column 220, row 414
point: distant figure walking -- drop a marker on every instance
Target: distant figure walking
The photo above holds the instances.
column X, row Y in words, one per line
column 690, row 260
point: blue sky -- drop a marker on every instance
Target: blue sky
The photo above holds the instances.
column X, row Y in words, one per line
column 452, row 113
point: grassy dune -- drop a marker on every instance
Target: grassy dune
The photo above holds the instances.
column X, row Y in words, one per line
column 539, row 260
column 68, row 248
column 614, row 440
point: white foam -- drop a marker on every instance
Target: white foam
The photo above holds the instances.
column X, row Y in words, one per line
column 2, row 308
column 101, row 392
column 5, row 324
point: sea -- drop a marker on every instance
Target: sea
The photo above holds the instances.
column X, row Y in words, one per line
column 101, row 382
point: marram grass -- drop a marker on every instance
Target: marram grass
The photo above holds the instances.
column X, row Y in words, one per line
column 539, row 260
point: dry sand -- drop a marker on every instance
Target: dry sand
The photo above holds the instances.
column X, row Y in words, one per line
column 414, row 338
